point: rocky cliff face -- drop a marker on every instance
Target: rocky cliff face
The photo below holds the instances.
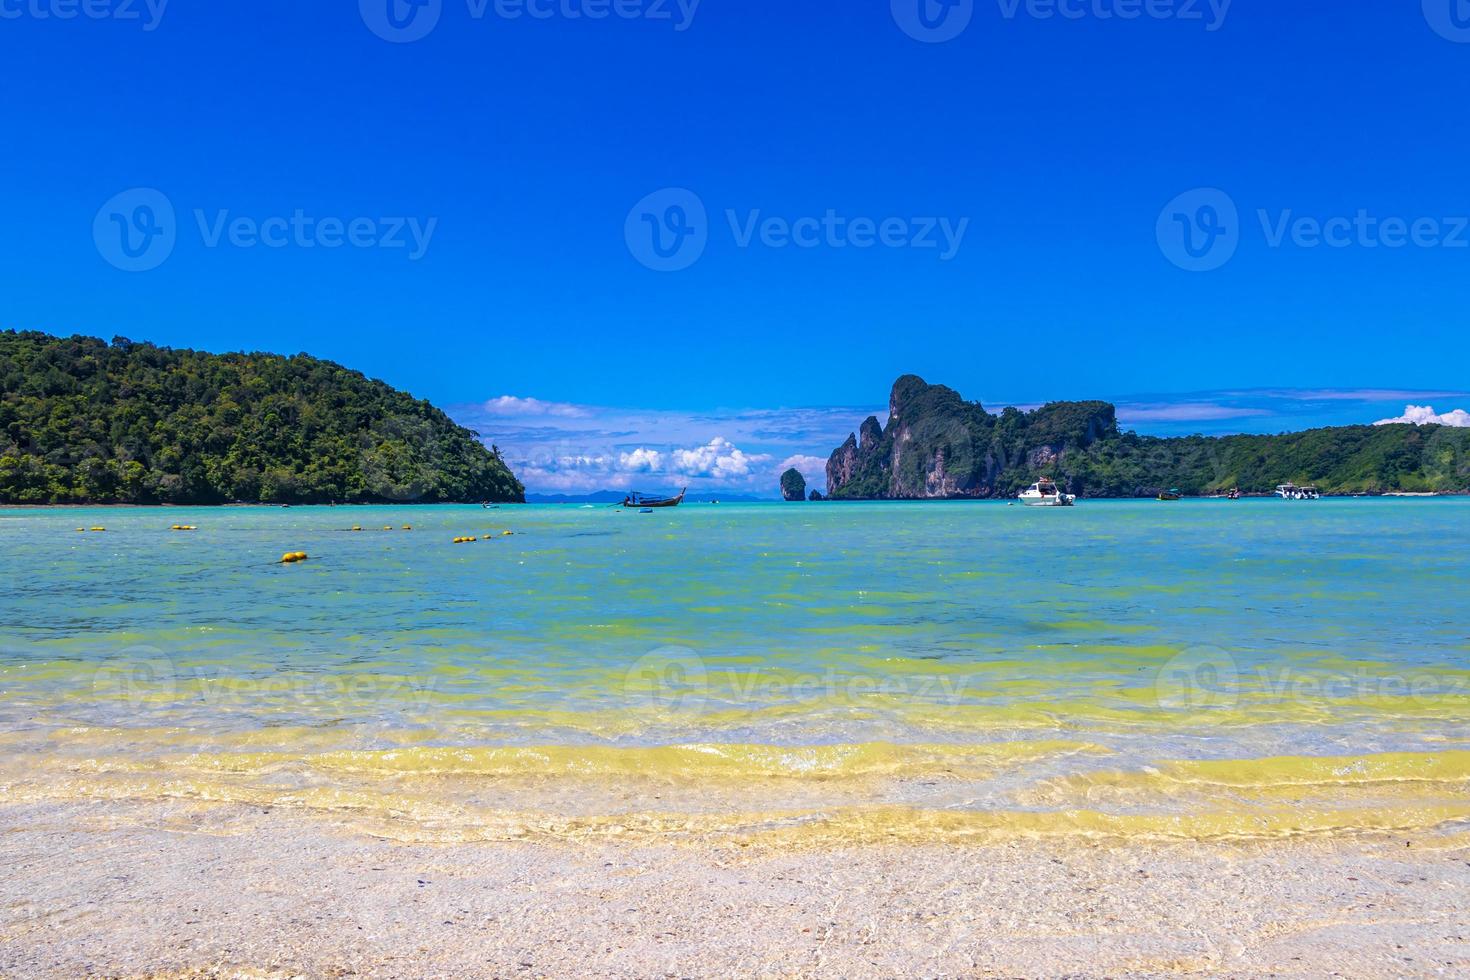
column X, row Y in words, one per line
column 842, row 466
column 937, row 445
column 793, row 486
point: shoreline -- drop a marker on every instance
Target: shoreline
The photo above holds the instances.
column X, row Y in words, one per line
column 234, row 506
column 696, row 503
column 162, row 888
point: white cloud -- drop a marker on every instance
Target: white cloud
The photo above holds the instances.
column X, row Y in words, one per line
column 1425, row 415
column 804, row 463
column 1184, row 412
column 812, row 468
column 641, row 460
column 718, row 459
column 510, row 405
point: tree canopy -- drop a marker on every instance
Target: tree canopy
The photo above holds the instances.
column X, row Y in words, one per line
column 83, row 421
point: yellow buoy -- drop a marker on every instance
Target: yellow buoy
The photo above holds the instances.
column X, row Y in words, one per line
column 356, row 528
column 82, row 529
column 291, row 557
column 387, row 529
column 99, row 528
column 408, row 527
column 505, row 534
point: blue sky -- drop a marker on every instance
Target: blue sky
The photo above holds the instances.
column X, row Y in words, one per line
column 1231, row 216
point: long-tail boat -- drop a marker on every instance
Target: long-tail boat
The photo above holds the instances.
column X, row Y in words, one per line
column 642, row 500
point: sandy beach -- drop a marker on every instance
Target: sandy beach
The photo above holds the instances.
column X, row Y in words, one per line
column 415, row 759
column 118, row 889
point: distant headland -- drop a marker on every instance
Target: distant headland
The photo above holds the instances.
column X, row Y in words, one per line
column 84, row 421
column 936, row 445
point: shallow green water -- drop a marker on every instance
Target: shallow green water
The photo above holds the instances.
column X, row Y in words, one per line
column 1120, row 633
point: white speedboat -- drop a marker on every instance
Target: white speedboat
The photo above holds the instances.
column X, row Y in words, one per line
column 1290, row 491
column 1044, row 493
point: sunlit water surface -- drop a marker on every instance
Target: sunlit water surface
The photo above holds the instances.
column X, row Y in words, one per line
column 853, row 671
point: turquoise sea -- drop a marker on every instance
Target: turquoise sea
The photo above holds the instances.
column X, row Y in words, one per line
column 1202, row 668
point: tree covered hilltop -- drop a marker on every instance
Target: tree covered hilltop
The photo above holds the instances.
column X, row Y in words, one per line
column 937, row 445
column 82, row 421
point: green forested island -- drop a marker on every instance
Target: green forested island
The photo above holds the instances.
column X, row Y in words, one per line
column 937, row 445
column 83, row 421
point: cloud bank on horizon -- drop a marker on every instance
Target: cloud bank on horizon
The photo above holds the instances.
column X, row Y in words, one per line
column 561, row 447
column 1425, row 415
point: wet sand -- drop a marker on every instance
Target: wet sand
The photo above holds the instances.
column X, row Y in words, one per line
column 123, row 889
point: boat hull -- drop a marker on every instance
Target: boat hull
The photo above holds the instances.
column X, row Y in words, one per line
column 633, row 503
column 1057, row 500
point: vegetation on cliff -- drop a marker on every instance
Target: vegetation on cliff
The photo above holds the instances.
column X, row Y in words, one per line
column 82, row 421
column 793, row 485
column 937, row 445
